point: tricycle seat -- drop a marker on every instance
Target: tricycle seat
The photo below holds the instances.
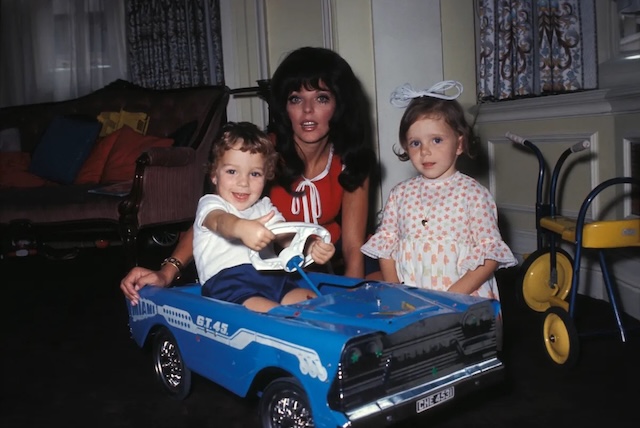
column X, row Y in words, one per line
column 598, row 234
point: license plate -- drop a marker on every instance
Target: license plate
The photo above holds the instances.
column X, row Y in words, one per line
column 434, row 399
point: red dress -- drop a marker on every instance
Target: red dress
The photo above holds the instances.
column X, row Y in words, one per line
column 321, row 201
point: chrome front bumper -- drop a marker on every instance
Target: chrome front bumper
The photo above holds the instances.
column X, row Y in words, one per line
column 402, row 405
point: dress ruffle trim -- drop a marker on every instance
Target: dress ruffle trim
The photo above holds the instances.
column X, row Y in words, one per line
column 489, row 250
column 381, row 245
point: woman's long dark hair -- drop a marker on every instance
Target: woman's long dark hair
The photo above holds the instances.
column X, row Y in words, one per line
column 349, row 128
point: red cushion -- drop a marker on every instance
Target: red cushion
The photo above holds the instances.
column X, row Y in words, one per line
column 93, row 167
column 121, row 163
column 13, row 171
column 24, row 179
column 14, row 161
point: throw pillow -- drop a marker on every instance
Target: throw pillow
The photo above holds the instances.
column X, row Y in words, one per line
column 109, row 121
column 121, row 163
column 114, row 120
column 13, row 171
column 139, row 121
column 63, row 148
column 93, row 167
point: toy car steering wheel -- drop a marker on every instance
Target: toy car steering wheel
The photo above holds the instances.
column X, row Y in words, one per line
column 302, row 231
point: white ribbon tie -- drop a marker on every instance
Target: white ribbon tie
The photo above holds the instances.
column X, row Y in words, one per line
column 313, row 202
column 311, row 205
column 402, row 95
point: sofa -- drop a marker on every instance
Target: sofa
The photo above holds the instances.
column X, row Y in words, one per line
column 101, row 169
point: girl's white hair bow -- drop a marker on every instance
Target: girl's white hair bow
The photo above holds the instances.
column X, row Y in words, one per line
column 402, row 95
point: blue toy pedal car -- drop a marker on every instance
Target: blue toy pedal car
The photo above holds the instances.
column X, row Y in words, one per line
column 361, row 353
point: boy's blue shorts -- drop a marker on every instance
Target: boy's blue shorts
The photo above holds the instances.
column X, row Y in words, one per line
column 236, row 284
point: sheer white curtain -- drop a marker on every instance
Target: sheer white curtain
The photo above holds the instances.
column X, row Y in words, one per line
column 54, row 50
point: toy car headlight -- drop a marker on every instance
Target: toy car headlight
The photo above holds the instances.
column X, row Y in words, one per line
column 477, row 320
column 361, row 355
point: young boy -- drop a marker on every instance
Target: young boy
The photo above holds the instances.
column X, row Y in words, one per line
column 232, row 222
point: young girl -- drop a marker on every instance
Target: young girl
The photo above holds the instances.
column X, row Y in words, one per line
column 439, row 229
column 232, row 222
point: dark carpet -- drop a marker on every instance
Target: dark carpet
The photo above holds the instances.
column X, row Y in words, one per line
column 68, row 360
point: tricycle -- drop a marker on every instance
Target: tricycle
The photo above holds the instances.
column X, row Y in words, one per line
column 549, row 277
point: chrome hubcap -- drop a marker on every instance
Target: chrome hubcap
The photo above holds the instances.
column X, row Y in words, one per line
column 290, row 413
column 170, row 364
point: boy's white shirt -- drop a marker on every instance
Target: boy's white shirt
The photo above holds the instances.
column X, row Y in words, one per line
column 213, row 253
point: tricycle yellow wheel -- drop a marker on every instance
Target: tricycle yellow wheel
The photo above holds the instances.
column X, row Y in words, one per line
column 560, row 337
column 535, row 288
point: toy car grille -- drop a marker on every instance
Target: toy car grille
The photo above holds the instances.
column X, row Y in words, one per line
column 376, row 366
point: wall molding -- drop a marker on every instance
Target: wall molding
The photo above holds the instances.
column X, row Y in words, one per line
column 626, row 171
column 327, row 23
column 588, row 103
column 529, row 209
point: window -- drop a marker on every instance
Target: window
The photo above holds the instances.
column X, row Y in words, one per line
column 55, row 50
column 629, row 26
column 67, row 22
column 619, row 40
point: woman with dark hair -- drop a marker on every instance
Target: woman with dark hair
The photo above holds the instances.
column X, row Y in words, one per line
column 322, row 128
column 318, row 69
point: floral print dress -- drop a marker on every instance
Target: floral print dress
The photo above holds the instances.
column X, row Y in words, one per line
column 437, row 230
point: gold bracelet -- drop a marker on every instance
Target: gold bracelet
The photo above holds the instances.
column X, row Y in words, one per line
column 175, row 263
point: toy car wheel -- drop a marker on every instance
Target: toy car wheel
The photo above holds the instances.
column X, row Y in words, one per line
column 533, row 288
column 560, row 337
column 174, row 376
column 284, row 404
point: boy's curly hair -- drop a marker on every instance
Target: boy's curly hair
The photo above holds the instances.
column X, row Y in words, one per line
column 251, row 139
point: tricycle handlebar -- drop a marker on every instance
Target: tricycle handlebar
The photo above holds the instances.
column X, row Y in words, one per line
column 577, row 147
column 515, row 138
column 582, row 145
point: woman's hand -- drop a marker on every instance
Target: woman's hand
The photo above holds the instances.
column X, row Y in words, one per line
column 138, row 277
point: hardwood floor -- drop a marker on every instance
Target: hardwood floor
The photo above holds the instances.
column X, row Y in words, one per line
column 68, row 361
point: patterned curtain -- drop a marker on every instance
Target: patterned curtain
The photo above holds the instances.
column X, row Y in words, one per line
column 529, row 48
column 174, row 43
